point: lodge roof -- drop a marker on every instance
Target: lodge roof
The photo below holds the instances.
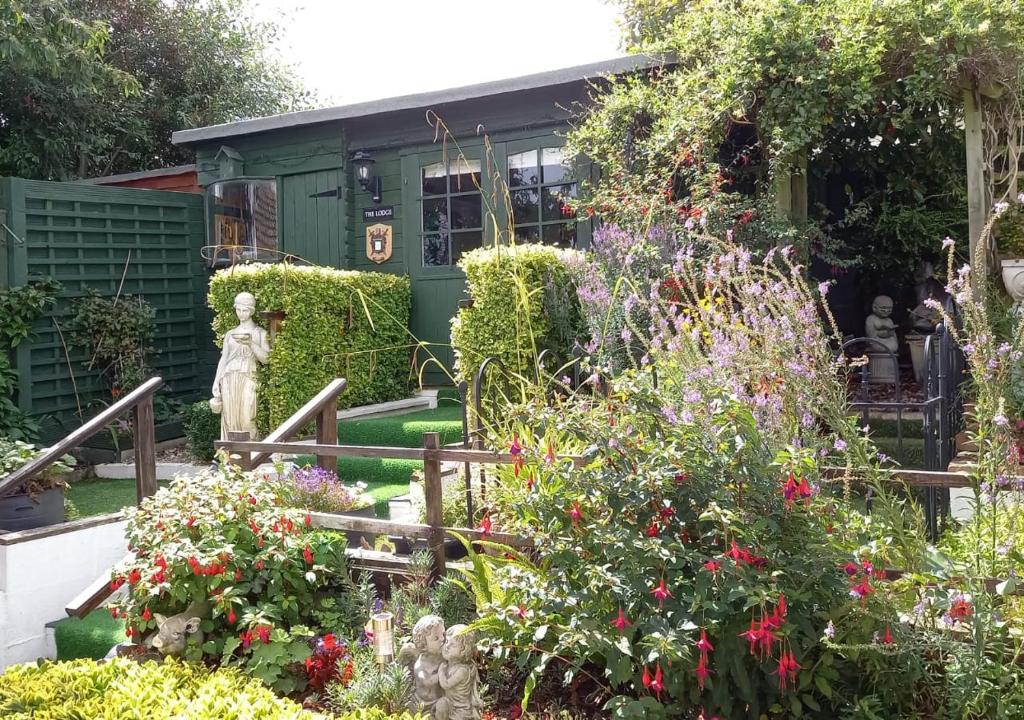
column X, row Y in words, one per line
column 303, row 118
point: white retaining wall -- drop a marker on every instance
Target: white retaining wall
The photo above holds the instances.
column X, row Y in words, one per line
column 42, row 571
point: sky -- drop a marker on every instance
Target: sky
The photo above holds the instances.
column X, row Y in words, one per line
column 354, row 50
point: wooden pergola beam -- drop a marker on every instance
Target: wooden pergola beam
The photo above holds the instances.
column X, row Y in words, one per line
column 977, row 212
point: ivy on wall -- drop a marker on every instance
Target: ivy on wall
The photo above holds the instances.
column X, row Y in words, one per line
column 19, row 307
column 338, row 323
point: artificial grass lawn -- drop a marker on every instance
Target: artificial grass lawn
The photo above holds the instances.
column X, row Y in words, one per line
column 90, row 637
column 405, row 430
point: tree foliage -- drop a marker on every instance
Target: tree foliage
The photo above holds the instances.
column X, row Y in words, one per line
column 94, row 87
column 870, row 92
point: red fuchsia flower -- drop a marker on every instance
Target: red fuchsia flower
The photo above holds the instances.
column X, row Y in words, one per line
column 620, row 622
column 862, row 589
column 887, row 638
column 789, row 491
column 851, row 569
column 868, row 567
column 116, row 583
column 782, row 607
column 703, row 644
column 254, row 527
column 666, row 513
column 190, row 522
column 114, row 612
column 516, row 451
column 713, row 566
column 529, row 482
column 787, row 669
column 661, row 592
column 260, row 565
column 147, row 615
column 231, row 616
column 752, row 635
column 960, row 609
column 702, row 671
column 252, row 500
column 134, row 575
column 158, row 577
column 681, row 478
column 646, row 679
column 130, row 632
column 246, row 637
column 741, row 556
column 521, row 612
column 805, row 491
column 485, row 525
column 308, row 555
column 657, row 684
column 549, row 456
column 263, row 633
column 652, row 530
column 575, row 513
column 238, row 574
column 307, row 520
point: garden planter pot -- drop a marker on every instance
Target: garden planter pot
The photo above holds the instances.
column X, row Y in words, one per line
column 881, row 368
column 453, row 549
column 354, row 538
column 1013, row 278
column 20, row 512
column 916, row 345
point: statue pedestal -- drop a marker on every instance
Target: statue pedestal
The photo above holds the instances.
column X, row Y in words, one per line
column 882, row 368
column 916, row 344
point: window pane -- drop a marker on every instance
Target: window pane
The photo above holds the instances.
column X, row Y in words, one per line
column 562, row 235
column 435, row 215
column 434, row 179
column 244, row 221
column 463, row 242
column 553, row 170
column 466, row 212
column 525, row 208
column 554, row 208
column 465, row 175
column 522, row 169
column 527, row 234
column 435, row 250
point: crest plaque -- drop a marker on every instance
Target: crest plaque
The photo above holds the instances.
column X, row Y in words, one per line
column 378, row 242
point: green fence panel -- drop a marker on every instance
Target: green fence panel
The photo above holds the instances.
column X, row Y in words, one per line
column 136, row 241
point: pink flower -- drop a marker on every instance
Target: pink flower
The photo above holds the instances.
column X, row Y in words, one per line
column 575, row 513
column 485, row 525
column 661, row 592
column 703, row 644
column 620, row 622
column 656, row 684
column 702, row 671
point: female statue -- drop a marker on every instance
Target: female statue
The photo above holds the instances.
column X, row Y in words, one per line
column 234, row 386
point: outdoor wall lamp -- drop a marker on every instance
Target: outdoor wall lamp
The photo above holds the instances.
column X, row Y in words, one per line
column 363, row 163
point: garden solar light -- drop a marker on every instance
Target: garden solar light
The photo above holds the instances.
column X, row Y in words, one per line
column 383, row 638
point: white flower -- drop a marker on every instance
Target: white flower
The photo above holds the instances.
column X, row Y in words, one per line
column 948, row 242
column 1020, row 198
column 1000, row 207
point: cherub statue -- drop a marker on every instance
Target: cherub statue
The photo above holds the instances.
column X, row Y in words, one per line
column 234, row 386
column 879, row 325
column 423, row 657
column 459, row 678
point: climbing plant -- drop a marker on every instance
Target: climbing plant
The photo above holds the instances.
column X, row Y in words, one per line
column 868, row 94
column 20, row 307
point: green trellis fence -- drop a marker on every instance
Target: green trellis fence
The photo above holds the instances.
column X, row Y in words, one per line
column 147, row 242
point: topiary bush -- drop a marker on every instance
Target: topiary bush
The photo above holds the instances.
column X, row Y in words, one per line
column 339, row 323
column 202, row 428
column 123, row 688
column 523, row 302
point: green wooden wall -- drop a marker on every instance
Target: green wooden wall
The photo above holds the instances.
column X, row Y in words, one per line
column 90, row 237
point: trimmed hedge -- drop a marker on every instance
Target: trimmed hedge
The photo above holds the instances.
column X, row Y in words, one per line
column 524, row 302
column 202, row 428
column 123, row 688
column 339, row 323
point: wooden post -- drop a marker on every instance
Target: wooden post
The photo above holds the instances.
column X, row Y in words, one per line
column 244, row 458
column 432, row 490
column 144, row 433
column 327, row 433
column 977, row 212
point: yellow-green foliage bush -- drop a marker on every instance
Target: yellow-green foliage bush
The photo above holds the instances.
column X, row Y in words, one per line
column 339, row 323
column 524, row 302
column 127, row 690
column 377, row 714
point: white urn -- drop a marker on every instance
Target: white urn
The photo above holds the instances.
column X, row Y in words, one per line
column 1013, row 278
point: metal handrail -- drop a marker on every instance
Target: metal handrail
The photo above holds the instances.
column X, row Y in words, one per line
column 140, row 401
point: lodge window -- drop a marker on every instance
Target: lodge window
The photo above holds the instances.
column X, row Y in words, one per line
column 244, row 216
column 538, row 181
column 452, row 213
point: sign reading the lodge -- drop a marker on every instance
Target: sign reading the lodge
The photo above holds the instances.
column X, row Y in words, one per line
column 378, row 242
column 379, row 213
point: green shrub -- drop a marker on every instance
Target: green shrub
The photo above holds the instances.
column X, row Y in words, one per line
column 339, row 323
column 261, row 578
column 523, row 302
column 117, row 333
column 123, row 688
column 202, row 428
column 378, row 714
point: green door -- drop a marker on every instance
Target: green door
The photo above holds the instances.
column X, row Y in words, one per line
column 312, row 216
column 446, row 218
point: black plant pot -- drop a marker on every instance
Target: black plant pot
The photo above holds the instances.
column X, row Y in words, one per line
column 21, row 512
column 453, row 549
column 354, row 538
